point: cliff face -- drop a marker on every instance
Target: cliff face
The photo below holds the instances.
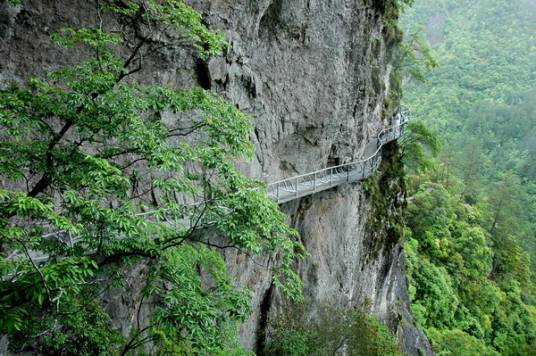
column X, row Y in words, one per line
column 317, row 77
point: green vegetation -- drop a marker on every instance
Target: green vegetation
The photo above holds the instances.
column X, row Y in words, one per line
column 392, row 9
column 471, row 218
column 385, row 219
column 332, row 330
column 87, row 154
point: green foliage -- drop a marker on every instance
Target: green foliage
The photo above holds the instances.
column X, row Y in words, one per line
column 419, row 146
column 456, row 342
column 195, row 316
column 393, row 9
column 332, row 330
column 188, row 23
column 457, row 280
column 431, row 290
column 174, row 15
column 417, row 59
column 103, row 174
column 11, row 2
column 471, row 219
column 386, row 215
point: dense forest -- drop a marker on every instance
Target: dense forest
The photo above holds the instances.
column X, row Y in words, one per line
column 471, row 219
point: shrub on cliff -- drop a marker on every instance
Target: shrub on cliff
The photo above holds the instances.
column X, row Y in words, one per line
column 333, row 330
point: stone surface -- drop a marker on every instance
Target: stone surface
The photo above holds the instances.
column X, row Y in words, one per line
column 315, row 75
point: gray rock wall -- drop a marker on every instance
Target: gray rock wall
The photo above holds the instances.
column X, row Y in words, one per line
column 315, row 74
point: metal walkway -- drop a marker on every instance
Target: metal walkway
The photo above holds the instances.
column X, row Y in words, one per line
column 295, row 187
column 310, row 183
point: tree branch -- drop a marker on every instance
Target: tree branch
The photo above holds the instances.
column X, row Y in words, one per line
column 119, row 256
column 45, row 180
column 41, row 276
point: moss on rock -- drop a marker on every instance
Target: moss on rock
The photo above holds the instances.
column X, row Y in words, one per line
column 385, row 191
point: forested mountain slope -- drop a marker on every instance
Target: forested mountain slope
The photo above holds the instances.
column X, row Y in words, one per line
column 472, row 211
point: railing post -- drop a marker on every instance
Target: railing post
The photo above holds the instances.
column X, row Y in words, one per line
column 297, row 186
column 330, row 176
column 277, row 192
column 348, row 173
column 314, row 183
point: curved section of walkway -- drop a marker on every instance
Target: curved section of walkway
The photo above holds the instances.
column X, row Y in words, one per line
column 310, row 183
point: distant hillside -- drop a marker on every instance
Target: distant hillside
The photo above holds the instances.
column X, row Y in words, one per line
column 472, row 217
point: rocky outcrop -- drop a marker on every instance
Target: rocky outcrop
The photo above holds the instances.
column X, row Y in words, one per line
column 315, row 75
column 318, row 77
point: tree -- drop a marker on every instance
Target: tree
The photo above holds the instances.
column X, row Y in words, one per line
column 456, row 342
column 332, row 330
column 419, row 146
column 416, row 56
column 104, row 175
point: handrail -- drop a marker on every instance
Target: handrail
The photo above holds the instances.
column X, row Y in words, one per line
column 349, row 163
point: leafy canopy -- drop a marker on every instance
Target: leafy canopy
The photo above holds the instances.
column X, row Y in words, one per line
column 110, row 182
column 471, row 212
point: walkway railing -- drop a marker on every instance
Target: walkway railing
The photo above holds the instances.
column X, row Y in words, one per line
column 306, row 184
column 287, row 189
